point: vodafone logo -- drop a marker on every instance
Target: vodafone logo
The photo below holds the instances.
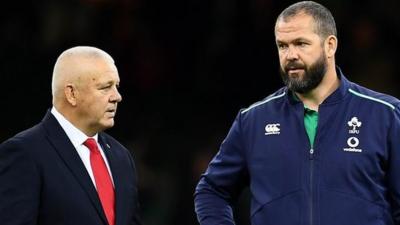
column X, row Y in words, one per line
column 353, row 143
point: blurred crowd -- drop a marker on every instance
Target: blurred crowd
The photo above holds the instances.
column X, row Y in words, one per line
column 186, row 68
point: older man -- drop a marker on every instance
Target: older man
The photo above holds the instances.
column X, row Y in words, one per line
column 65, row 170
column 321, row 150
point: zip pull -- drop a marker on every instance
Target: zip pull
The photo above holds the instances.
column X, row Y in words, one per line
column 311, row 153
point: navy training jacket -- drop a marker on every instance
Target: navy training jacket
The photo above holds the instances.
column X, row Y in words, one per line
column 351, row 176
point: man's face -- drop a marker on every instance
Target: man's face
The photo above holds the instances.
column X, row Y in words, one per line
column 302, row 58
column 98, row 96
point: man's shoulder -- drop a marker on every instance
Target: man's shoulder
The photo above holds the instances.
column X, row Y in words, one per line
column 270, row 100
column 379, row 98
column 29, row 135
column 29, row 140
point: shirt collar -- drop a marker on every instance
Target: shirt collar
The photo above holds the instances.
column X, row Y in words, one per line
column 306, row 109
column 76, row 136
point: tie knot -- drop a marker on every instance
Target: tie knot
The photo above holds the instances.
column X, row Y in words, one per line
column 91, row 144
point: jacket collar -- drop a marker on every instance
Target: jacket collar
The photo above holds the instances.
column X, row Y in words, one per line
column 68, row 154
column 65, row 149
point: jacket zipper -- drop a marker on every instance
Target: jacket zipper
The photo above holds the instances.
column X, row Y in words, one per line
column 311, row 184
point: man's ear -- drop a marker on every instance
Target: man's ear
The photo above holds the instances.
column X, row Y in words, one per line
column 331, row 43
column 71, row 93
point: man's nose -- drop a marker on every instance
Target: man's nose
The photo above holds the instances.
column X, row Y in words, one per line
column 116, row 96
column 292, row 53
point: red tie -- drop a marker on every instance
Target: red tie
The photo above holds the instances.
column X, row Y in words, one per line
column 104, row 185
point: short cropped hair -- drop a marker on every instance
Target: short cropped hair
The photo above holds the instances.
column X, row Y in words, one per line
column 324, row 22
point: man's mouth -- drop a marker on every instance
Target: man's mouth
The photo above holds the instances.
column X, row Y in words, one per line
column 111, row 111
column 294, row 70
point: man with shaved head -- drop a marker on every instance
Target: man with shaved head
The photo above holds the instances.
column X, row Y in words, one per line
column 66, row 170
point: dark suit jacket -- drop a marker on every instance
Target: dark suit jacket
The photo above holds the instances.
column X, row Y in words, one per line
column 43, row 180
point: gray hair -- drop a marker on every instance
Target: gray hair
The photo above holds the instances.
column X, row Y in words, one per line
column 324, row 22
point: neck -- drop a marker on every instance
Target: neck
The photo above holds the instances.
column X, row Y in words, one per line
column 315, row 97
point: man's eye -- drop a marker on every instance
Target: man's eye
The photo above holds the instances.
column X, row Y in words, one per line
column 302, row 44
column 105, row 87
column 282, row 46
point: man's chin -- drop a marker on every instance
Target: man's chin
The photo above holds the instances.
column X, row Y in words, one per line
column 297, row 85
column 295, row 80
column 108, row 123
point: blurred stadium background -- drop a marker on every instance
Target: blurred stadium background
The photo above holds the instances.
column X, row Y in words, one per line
column 186, row 68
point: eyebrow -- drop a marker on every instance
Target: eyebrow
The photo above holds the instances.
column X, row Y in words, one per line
column 110, row 82
column 301, row 39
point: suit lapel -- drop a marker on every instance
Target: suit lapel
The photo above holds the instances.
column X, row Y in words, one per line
column 68, row 154
column 112, row 159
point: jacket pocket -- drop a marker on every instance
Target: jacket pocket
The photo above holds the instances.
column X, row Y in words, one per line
column 283, row 210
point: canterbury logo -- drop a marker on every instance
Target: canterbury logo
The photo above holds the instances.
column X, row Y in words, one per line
column 272, row 128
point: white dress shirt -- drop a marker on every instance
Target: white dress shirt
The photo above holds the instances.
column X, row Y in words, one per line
column 77, row 137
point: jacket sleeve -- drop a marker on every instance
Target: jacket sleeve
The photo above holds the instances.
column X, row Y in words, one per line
column 223, row 181
column 394, row 166
column 19, row 185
